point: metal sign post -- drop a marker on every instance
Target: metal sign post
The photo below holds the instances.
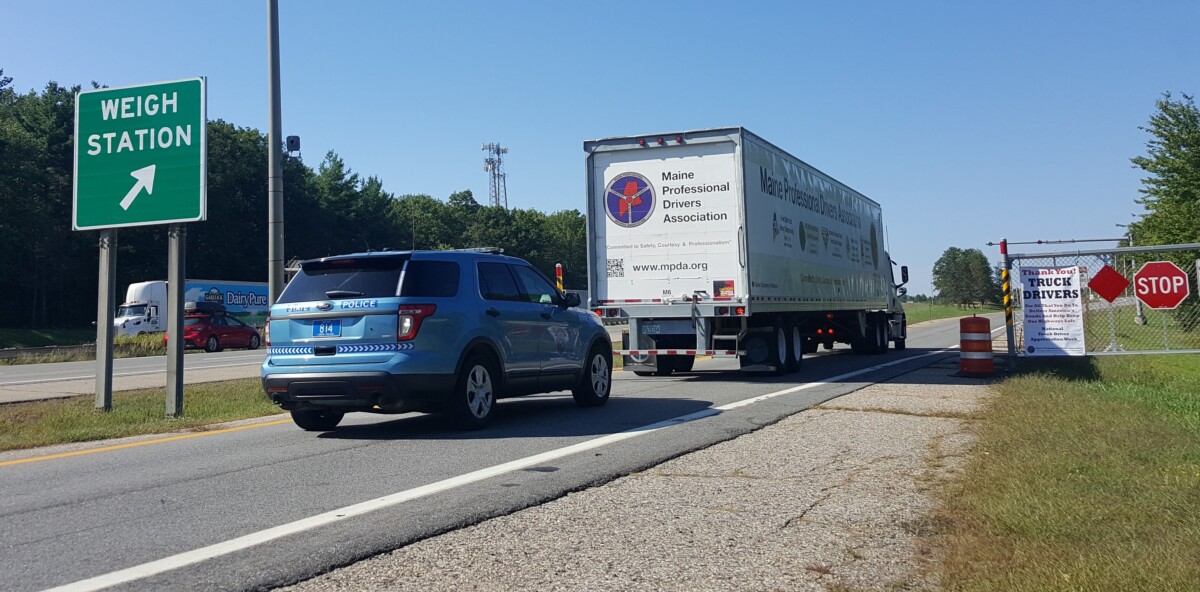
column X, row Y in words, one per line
column 141, row 158
column 104, row 319
column 176, row 258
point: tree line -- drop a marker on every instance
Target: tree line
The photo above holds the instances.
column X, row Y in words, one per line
column 49, row 272
column 1170, row 198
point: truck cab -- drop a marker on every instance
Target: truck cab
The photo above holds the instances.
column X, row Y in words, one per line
column 135, row 318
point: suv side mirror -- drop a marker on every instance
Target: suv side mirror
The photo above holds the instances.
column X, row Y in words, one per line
column 572, row 299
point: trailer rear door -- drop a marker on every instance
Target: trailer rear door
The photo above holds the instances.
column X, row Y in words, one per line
column 665, row 222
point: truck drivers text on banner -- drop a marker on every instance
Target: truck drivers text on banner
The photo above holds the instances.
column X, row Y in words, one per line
column 1053, row 311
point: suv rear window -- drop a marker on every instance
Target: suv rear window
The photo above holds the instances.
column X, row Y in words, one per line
column 333, row 279
column 426, row 278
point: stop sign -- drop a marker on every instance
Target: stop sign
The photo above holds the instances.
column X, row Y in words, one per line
column 1161, row 284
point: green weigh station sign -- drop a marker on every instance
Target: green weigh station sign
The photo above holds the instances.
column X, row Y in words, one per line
column 140, row 155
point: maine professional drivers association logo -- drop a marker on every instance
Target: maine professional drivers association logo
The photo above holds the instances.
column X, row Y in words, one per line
column 629, row 200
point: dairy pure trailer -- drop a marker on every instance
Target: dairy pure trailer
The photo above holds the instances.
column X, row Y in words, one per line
column 716, row 242
column 145, row 306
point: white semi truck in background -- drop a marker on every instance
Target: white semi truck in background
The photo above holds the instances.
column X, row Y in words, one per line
column 716, row 242
column 145, row 306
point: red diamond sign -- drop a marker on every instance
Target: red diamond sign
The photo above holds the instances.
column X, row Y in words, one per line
column 1161, row 284
column 1108, row 283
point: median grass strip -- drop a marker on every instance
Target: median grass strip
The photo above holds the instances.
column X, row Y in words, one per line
column 1086, row 476
column 60, row 421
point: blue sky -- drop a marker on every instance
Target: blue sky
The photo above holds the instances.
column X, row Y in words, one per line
column 967, row 122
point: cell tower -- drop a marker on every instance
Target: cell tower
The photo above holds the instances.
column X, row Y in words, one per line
column 494, row 165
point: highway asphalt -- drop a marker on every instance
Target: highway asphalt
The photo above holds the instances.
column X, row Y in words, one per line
column 262, row 504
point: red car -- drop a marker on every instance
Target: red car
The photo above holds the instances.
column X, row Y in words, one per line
column 216, row 332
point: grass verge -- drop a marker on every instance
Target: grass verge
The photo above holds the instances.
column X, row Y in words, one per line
column 60, row 421
column 45, row 337
column 919, row 312
column 1086, row 477
column 134, row 346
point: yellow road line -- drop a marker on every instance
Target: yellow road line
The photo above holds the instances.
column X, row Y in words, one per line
column 145, row 443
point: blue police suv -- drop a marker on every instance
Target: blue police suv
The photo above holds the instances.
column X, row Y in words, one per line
column 435, row 331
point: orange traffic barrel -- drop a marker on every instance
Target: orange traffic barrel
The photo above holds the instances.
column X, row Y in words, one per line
column 975, row 349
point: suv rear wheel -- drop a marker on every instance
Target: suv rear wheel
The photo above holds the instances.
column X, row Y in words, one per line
column 473, row 401
column 596, row 382
column 316, row 420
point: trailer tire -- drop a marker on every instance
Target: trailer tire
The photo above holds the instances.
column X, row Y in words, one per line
column 664, row 365
column 758, row 349
column 780, row 348
column 881, row 334
column 683, row 363
column 874, row 342
column 796, row 347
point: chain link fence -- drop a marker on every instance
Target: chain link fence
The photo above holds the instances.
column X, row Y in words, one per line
column 1115, row 320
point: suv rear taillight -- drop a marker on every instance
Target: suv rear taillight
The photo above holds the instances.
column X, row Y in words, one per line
column 410, row 319
column 267, row 332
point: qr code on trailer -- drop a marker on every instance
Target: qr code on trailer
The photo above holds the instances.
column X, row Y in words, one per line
column 616, row 268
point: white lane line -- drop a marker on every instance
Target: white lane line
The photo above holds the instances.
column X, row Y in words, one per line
column 166, row 564
column 122, row 374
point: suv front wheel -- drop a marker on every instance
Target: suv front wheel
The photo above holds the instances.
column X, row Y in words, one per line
column 473, row 401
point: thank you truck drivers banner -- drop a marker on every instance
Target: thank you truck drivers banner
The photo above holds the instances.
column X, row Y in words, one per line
column 1053, row 311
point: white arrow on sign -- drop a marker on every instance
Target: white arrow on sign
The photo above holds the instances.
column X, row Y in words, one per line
column 145, row 178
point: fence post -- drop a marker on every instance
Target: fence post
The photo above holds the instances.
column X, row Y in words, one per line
column 1006, row 288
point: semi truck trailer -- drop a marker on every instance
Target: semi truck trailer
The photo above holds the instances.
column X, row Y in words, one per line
column 145, row 306
column 716, row 242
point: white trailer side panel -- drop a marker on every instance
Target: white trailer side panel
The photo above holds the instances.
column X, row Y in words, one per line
column 814, row 244
column 666, row 222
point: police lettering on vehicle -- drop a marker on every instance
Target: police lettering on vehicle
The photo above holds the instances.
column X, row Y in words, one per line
column 348, row 304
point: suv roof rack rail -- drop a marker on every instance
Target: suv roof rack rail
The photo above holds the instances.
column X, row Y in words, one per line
column 490, row 250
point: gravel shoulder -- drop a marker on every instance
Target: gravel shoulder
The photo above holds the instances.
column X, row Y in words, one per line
column 833, row 498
